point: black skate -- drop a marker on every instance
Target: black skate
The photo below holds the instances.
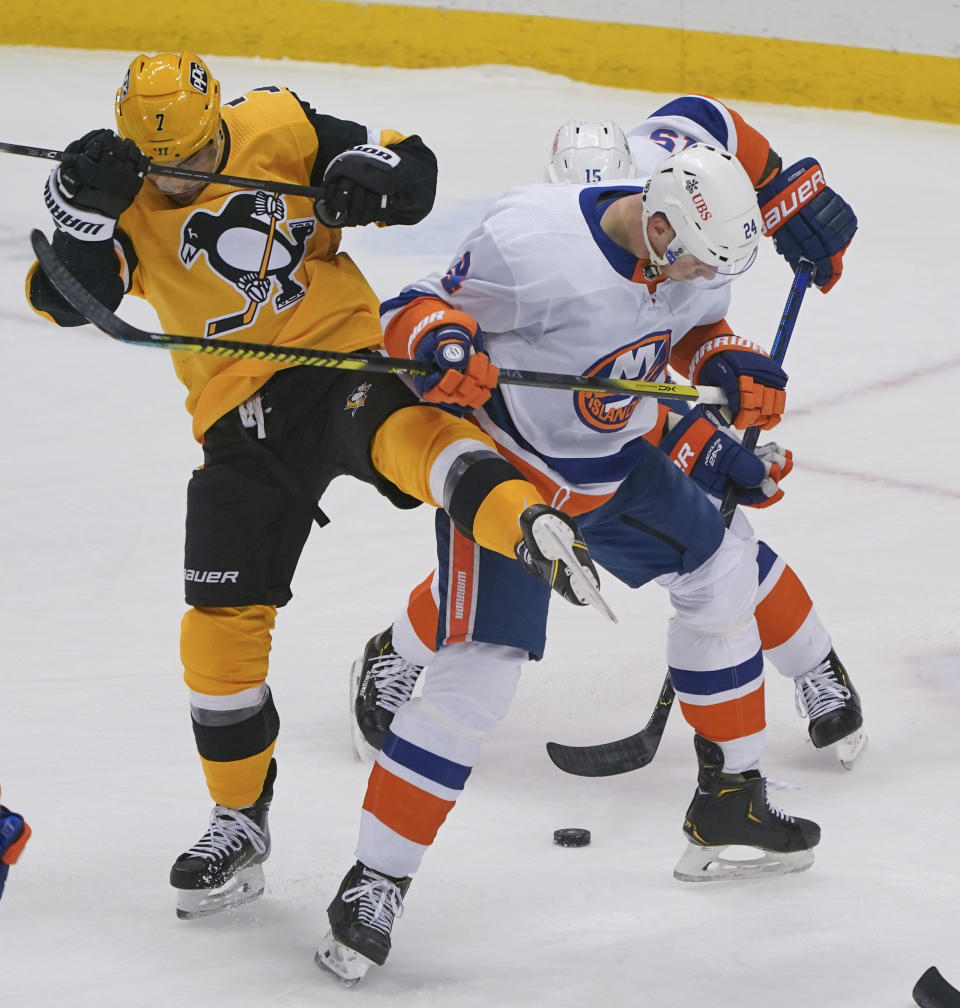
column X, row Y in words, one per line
column 827, row 697
column 361, row 918
column 224, row 868
column 732, row 810
column 381, row 682
column 554, row 551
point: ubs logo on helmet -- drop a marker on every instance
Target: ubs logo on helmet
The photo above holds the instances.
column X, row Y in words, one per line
column 644, row 359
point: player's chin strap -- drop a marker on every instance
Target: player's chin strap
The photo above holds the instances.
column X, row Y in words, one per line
column 610, row 758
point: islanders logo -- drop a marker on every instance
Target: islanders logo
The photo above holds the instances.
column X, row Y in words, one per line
column 643, row 360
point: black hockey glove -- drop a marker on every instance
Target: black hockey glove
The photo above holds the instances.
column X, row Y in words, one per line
column 369, row 183
column 96, row 180
column 358, row 186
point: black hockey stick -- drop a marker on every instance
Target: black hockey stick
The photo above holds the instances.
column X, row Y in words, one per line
column 932, row 991
column 238, row 181
column 114, row 326
column 607, row 759
column 611, row 758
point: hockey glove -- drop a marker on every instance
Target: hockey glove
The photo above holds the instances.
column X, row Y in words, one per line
column 713, row 459
column 97, row 179
column 454, row 343
column 754, row 384
column 808, row 220
column 359, row 186
column 543, row 527
column 14, row 834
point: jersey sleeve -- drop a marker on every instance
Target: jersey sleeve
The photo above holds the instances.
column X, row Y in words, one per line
column 416, row 181
column 97, row 265
column 491, row 279
column 701, row 119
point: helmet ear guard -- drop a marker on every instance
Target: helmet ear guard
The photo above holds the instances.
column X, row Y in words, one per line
column 709, row 201
column 588, row 152
column 168, row 105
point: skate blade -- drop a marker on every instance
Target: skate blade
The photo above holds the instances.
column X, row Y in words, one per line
column 343, row 963
column 247, row 885
column 707, row 864
column 850, row 749
column 363, row 752
column 586, row 589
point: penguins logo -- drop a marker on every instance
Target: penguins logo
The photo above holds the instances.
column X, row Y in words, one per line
column 244, row 245
column 357, row 398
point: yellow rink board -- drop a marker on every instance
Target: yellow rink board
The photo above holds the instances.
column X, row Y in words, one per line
column 616, row 55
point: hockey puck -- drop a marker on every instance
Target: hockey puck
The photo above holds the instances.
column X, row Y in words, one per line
column 571, row 837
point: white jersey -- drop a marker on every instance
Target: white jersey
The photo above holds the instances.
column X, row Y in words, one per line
column 553, row 293
column 697, row 119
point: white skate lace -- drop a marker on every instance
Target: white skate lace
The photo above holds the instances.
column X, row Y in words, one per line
column 818, row 692
column 228, row 830
column 380, row 901
column 395, row 678
column 775, row 809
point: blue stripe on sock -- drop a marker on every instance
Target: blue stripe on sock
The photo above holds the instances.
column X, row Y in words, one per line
column 717, row 680
column 426, row 764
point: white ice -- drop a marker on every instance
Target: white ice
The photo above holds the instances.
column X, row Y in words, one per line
column 95, row 741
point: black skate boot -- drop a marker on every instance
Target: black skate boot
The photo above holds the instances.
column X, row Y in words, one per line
column 826, row 696
column 381, row 682
column 361, row 918
column 733, row 810
column 224, row 868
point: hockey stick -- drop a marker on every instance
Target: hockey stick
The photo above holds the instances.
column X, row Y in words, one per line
column 115, row 327
column 607, row 759
column 932, row 991
column 238, row 181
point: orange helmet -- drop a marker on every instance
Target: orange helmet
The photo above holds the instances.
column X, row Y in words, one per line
column 168, row 105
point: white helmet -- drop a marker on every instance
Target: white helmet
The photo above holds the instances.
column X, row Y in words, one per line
column 588, row 152
column 710, row 202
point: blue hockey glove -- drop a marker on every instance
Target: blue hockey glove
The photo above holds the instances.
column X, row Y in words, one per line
column 753, row 382
column 808, row 220
column 454, row 343
column 713, row 460
column 14, row 833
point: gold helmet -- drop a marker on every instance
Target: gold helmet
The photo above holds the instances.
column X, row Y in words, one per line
column 168, row 105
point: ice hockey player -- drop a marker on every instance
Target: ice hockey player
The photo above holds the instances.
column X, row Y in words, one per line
column 596, row 280
column 792, row 635
column 14, row 834
column 214, row 260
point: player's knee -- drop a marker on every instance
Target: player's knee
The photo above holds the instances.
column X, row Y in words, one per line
column 472, row 685
column 720, row 595
column 226, row 650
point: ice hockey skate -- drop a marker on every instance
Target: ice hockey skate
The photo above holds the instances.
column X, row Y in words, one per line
column 361, row 919
column 224, row 868
column 381, row 681
column 828, row 698
column 732, row 810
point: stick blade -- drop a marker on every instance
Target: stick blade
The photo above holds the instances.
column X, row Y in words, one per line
column 605, row 760
column 933, row 991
